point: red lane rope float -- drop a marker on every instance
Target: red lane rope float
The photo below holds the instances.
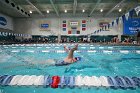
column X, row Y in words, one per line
column 55, row 81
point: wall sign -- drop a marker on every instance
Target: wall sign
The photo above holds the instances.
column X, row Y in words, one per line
column 64, row 25
column 73, row 27
column 131, row 26
column 6, row 22
column 3, row 21
column 45, row 25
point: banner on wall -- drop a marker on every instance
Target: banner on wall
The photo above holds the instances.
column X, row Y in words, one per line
column 3, row 21
column 64, row 25
column 45, row 25
column 73, row 27
column 131, row 26
column 137, row 9
column 6, row 22
column 104, row 24
column 83, row 25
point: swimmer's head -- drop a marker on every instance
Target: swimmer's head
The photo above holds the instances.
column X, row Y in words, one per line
column 77, row 58
column 69, row 47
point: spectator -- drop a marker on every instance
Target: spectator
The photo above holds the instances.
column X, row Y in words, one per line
column 138, row 36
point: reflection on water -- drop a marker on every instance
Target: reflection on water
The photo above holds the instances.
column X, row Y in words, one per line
column 4, row 58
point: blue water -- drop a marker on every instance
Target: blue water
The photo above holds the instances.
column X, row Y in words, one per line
column 97, row 64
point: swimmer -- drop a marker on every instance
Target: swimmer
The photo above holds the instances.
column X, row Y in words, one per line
column 67, row 49
column 68, row 60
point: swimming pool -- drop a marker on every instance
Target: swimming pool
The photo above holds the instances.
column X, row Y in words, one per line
column 97, row 60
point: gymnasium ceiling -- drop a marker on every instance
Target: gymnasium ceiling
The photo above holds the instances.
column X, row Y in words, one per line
column 74, row 7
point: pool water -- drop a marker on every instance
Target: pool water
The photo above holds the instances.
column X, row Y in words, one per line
column 27, row 61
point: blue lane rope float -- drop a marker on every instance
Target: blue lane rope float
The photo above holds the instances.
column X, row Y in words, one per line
column 47, row 81
column 7, row 80
column 2, row 78
column 72, row 82
column 112, row 82
column 122, row 82
column 136, row 80
column 62, row 81
column 129, row 82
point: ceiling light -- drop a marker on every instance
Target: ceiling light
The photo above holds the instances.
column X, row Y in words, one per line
column 101, row 10
column 48, row 11
column 83, row 10
column 65, row 11
column 120, row 10
column 30, row 12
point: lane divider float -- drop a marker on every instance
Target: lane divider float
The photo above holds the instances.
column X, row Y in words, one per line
column 116, row 82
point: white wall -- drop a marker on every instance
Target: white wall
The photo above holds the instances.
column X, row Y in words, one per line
column 9, row 24
column 31, row 26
